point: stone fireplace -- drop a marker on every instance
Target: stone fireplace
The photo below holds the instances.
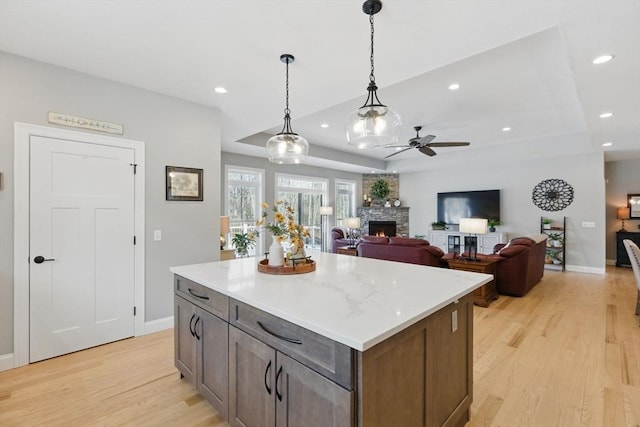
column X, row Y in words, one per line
column 399, row 215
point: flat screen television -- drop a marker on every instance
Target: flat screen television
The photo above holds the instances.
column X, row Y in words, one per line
column 468, row 204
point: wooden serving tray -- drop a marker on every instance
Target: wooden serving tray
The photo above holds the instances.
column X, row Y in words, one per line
column 298, row 268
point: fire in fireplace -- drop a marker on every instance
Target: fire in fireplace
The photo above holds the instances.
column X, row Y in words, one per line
column 382, row 228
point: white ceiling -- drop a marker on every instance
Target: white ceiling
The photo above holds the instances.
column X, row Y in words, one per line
column 522, row 64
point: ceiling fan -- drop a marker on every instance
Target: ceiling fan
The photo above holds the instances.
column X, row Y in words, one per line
column 424, row 144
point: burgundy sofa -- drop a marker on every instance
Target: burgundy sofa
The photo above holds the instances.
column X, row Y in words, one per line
column 520, row 265
column 402, row 249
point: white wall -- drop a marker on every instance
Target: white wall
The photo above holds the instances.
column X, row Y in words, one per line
column 516, row 179
column 175, row 132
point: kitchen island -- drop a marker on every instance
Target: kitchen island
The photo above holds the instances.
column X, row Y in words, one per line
column 358, row 342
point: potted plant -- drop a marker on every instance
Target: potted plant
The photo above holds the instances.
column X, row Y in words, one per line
column 439, row 225
column 492, row 222
column 380, row 189
column 546, row 224
column 243, row 242
column 555, row 240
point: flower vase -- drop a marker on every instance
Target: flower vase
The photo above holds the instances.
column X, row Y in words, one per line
column 298, row 252
column 276, row 254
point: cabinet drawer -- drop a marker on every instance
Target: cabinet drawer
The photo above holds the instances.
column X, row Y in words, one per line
column 325, row 356
column 207, row 299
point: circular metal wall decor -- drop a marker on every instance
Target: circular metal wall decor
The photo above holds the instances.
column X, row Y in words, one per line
column 552, row 195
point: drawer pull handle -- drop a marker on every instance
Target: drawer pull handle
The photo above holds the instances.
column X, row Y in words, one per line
column 196, row 295
column 278, row 394
column 266, row 372
column 287, row 339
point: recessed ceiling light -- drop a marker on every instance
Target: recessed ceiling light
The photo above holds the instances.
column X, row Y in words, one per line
column 602, row 59
column 394, row 171
column 373, row 171
column 506, row 129
column 607, row 144
column 324, row 125
column 219, row 89
column 454, row 86
column 605, row 115
column 398, row 148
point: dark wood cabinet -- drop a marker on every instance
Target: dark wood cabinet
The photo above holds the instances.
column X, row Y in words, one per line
column 622, row 258
column 270, row 389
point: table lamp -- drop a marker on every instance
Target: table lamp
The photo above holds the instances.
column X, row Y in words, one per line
column 324, row 211
column 224, row 230
column 473, row 226
column 623, row 213
column 352, row 224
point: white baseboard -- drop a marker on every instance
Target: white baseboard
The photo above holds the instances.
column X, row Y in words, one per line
column 583, row 269
column 6, row 362
column 158, row 325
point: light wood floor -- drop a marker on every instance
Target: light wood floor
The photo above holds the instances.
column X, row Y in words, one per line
column 567, row 354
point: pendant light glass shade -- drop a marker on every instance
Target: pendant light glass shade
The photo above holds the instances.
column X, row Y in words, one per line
column 374, row 124
column 287, row 147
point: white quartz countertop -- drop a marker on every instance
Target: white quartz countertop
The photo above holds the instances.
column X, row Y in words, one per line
column 356, row 301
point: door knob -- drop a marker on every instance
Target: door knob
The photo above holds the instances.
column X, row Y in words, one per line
column 40, row 259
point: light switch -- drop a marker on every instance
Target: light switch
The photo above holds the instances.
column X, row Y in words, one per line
column 157, row 235
column 588, row 224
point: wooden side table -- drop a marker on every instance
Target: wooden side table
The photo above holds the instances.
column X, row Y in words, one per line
column 346, row 250
column 227, row 254
column 486, row 293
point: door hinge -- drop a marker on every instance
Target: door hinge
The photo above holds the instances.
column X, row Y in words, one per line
column 134, row 310
column 134, row 240
column 135, row 167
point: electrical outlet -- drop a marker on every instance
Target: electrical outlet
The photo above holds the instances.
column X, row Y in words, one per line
column 157, row 235
column 454, row 321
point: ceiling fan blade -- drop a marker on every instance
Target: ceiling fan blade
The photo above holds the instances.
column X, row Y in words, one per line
column 398, row 152
column 396, row 145
column 448, row 144
column 428, row 151
column 426, row 139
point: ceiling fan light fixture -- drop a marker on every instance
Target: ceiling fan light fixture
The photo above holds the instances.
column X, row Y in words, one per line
column 374, row 124
column 287, row 147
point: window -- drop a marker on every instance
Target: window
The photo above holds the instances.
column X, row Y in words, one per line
column 243, row 198
column 345, row 200
column 305, row 195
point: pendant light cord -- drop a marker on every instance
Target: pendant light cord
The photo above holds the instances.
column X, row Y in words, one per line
column 371, row 76
column 286, row 109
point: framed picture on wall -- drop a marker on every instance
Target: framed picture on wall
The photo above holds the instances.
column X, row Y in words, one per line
column 184, row 184
column 633, row 201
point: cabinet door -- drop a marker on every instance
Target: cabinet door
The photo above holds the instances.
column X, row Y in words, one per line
column 213, row 360
column 252, row 367
column 449, row 366
column 185, row 342
column 305, row 398
column 487, row 242
column 439, row 239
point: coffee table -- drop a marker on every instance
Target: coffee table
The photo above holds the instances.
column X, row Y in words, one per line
column 486, row 293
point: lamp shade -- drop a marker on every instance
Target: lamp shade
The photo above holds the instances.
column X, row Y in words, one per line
column 473, row 225
column 224, row 225
column 373, row 126
column 326, row 210
column 352, row 222
column 287, row 148
column 623, row 213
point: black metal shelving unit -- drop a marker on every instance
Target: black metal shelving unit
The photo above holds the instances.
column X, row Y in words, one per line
column 555, row 256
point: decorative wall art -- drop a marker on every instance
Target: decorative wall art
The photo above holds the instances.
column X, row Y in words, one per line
column 184, row 184
column 552, row 195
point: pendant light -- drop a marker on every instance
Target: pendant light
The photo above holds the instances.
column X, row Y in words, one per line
column 374, row 124
column 287, row 147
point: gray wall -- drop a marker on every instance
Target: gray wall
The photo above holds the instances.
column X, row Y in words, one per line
column 175, row 132
column 516, row 180
column 622, row 177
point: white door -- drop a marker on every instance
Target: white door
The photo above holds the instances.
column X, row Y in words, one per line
column 81, row 289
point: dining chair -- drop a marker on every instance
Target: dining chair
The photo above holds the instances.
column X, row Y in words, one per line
column 634, row 258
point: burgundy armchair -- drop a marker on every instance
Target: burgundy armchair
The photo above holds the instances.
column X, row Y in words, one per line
column 520, row 265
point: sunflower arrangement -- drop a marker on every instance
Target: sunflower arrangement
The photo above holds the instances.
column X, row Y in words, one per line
column 284, row 227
